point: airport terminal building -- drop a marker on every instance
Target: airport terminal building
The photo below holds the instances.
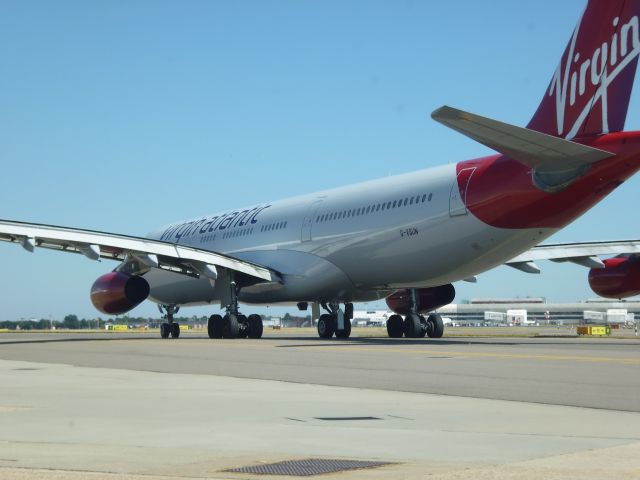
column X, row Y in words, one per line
column 536, row 311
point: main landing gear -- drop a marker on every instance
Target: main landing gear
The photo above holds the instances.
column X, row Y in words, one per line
column 414, row 325
column 169, row 328
column 234, row 324
column 335, row 321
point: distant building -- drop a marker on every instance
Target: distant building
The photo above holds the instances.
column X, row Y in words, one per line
column 272, row 322
column 370, row 318
column 535, row 311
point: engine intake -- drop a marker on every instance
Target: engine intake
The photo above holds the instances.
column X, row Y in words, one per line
column 620, row 278
column 115, row 293
column 428, row 299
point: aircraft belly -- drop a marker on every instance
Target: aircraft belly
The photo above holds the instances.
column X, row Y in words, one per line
column 305, row 277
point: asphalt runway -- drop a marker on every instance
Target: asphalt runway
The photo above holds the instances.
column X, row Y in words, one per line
column 116, row 405
column 595, row 373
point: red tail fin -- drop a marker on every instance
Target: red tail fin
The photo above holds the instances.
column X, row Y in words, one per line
column 589, row 92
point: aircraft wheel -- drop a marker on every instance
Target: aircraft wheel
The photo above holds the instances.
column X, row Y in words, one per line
column 175, row 329
column 326, row 326
column 165, row 329
column 435, row 326
column 214, row 326
column 394, row 326
column 412, row 326
column 255, row 326
column 231, row 327
column 424, row 325
column 243, row 326
column 346, row 333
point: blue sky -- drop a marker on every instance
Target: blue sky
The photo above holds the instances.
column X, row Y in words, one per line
column 125, row 115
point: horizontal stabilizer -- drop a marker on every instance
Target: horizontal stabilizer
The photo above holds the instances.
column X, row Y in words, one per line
column 555, row 161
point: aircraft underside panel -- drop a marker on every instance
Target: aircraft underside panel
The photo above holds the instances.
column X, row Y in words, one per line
column 305, row 277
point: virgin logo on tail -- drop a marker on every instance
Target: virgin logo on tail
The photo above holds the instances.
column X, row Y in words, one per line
column 581, row 73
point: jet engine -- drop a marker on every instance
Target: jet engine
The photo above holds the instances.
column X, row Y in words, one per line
column 620, row 278
column 115, row 293
column 428, row 299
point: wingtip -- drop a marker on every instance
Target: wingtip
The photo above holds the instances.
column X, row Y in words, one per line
column 446, row 113
column 439, row 112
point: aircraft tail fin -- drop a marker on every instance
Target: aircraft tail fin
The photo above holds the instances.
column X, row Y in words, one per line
column 589, row 91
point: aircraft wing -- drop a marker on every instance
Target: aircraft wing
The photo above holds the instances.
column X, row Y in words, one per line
column 585, row 254
column 151, row 253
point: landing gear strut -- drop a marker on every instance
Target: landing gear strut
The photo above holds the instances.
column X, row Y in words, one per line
column 169, row 328
column 335, row 321
column 234, row 324
column 415, row 325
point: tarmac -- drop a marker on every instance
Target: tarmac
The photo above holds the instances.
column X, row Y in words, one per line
column 134, row 406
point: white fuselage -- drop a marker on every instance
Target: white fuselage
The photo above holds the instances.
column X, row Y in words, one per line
column 352, row 243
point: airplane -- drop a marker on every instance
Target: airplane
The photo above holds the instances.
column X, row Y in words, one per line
column 406, row 238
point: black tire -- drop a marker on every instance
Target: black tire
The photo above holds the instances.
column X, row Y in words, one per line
column 243, row 326
column 346, row 333
column 436, row 326
column 424, row 325
column 175, row 330
column 348, row 311
column 214, row 326
column 165, row 329
column 412, row 326
column 255, row 326
column 394, row 326
column 231, row 326
column 326, row 326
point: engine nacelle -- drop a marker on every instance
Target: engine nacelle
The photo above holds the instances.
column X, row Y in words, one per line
column 115, row 293
column 620, row 278
column 428, row 299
